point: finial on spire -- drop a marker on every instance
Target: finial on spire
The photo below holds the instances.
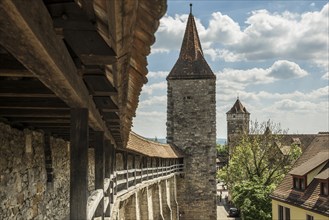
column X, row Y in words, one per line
column 190, row 8
column 238, row 96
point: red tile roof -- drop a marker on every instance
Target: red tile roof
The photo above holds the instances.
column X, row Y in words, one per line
column 150, row 148
column 310, row 164
column 238, row 108
column 309, row 199
column 324, row 175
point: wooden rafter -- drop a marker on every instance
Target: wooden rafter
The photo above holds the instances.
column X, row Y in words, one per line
column 29, row 36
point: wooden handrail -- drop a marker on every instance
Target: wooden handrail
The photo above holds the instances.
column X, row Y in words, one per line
column 119, row 178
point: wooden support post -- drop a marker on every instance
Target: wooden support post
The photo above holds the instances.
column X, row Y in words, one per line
column 134, row 167
column 141, row 166
column 99, row 169
column 162, row 167
column 157, row 165
column 112, row 173
column 125, row 158
column 108, row 159
column 108, row 171
column 79, row 163
column 147, row 167
column 115, row 185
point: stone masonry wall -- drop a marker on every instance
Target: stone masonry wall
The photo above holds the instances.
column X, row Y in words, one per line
column 191, row 126
column 24, row 191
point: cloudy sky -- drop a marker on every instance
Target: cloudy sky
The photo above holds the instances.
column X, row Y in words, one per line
column 272, row 54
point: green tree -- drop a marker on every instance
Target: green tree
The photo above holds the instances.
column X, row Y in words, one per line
column 257, row 164
column 253, row 199
column 222, row 149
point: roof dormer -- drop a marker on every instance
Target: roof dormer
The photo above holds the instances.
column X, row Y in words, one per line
column 323, row 178
column 304, row 174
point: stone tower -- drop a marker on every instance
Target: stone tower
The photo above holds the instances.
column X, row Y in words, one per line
column 191, row 126
column 237, row 121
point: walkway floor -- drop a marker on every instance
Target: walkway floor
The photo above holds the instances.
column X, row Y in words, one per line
column 222, row 205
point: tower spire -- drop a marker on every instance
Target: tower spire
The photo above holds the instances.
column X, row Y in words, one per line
column 191, row 64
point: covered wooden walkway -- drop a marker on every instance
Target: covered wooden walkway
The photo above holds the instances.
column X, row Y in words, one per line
column 74, row 70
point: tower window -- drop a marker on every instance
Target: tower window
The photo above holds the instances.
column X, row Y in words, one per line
column 187, row 97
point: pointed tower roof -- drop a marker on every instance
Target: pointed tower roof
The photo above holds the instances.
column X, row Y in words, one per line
column 238, row 108
column 191, row 63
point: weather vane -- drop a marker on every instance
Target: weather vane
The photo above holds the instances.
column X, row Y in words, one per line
column 190, row 8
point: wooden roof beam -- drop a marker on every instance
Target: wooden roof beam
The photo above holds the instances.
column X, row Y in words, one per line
column 30, row 37
column 16, row 73
column 40, row 113
column 24, row 88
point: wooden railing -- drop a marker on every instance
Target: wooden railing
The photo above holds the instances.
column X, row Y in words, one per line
column 123, row 181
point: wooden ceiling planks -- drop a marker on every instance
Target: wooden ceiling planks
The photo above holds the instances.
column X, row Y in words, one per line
column 138, row 32
column 31, row 38
column 108, row 41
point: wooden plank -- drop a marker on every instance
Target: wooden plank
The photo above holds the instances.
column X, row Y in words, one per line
column 99, row 169
column 15, row 73
column 30, row 37
column 57, row 126
column 105, row 103
column 39, row 120
column 90, row 47
column 80, row 33
column 88, row 7
column 79, row 164
column 8, row 61
column 69, row 15
column 99, row 85
column 32, row 103
column 110, row 116
column 112, row 125
column 41, row 113
column 24, row 88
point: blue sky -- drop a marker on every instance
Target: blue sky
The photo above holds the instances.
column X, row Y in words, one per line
column 272, row 54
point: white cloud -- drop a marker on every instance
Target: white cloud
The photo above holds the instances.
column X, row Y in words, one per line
column 224, row 54
column 222, row 29
column 274, row 35
column 158, row 74
column 267, row 35
column 325, row 76
column 155, row 100
column 291, row 105
column 170, row 33
column 283, row 69
column 152, row 114
column 148, row 89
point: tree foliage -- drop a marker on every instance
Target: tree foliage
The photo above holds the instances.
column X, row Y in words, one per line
column 257, row 164
column 222, row 149
column 253, row 199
